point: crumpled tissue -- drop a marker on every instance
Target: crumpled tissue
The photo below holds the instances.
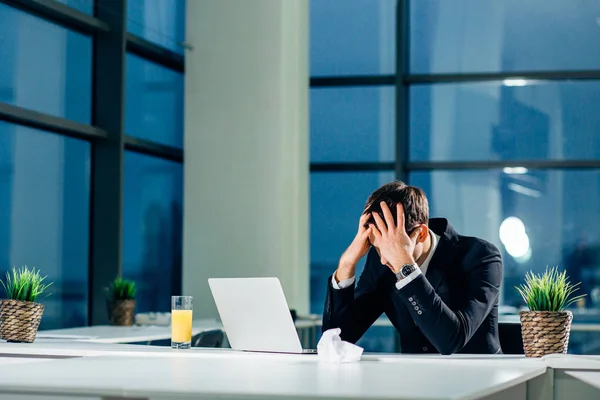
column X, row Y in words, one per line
column 331, row 348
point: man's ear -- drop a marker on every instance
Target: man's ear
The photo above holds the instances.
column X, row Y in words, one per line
column 423, row 233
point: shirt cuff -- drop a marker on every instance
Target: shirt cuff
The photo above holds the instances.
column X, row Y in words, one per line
column 342, row 284
column 413, row 275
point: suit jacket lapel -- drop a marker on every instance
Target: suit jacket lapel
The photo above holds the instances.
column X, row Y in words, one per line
column 445, row 253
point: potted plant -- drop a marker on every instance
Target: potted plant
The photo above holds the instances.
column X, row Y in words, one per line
column 121, row 301
column 546, row 326
column 20, row 314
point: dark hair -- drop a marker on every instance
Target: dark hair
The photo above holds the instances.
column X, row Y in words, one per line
column 413, row 199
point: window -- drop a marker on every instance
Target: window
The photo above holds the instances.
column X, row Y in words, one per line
column 337, row 199
column 48, row 182
column 510, row 120
column 501, row 131
column 352, row 131
column 44, row 216
column 537, row 218
column 464, row 36
column 44, row 67
column 152, row 229
column 505, row 145
column 154, row 102
column 352, row 124
column 352, row 37
column 86, row 6
column 159, row 21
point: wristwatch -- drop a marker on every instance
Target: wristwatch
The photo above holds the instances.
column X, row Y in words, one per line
column 405, row 271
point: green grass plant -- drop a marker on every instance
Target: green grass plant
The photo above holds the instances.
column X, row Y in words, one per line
column 549, row 291
column 122, row 289
column 24, row 284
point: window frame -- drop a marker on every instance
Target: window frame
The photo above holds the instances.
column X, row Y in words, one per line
column 403, row 80
column 108, row 29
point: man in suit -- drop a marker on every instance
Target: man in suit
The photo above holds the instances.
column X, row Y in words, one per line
column 438, row 288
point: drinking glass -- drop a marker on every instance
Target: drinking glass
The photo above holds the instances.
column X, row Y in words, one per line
column 181, row 322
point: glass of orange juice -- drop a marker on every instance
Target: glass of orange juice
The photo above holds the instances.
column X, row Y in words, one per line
column 181, row 322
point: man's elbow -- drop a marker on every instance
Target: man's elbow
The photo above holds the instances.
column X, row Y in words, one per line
column 449, row 350
column 452, row 346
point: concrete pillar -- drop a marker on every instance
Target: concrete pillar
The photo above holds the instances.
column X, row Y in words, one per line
column 246, row 182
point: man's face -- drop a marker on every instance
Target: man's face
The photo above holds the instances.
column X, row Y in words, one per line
column 419, row 247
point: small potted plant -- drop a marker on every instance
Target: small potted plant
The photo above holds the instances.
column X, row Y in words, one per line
column 547, row 325
column 20, row 314
column 121, row 301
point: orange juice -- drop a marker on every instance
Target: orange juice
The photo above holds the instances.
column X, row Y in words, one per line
column 181, row 326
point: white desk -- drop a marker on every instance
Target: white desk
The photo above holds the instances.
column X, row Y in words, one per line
column 163, row 373
column 146, row 334
column 125, row 334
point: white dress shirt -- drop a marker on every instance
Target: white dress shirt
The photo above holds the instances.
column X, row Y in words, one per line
column 421, row 269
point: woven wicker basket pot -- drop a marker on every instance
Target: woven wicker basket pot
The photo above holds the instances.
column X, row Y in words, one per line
column 545, row 332
column 19, row 320
column 120, row 312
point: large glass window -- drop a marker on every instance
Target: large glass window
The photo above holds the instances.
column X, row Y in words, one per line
column 44, row 67
column 159, row 21
column 501, row 131
column 537, row 218
column 352, row 131
column 152, row 228
column 44, row 216
column 352, row 37
column 337, row 200
column 352, row 124
column 463, row 36
column 154, row 102
column 507, row 120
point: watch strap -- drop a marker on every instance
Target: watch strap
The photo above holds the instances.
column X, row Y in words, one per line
column 406, row 270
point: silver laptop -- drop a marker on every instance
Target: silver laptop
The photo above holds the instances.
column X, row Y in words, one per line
column 255, row 315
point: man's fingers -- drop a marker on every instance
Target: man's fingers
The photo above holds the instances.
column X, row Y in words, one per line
column 400, row 216
column 379, row 222
column 415, row 233
column 364, row 218
column 366, row 233
column 387, row 214
column 376, row 232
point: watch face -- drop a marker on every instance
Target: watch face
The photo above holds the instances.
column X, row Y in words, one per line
column 407, row 269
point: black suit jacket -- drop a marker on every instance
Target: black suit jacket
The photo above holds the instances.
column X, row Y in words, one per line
column 453, row 309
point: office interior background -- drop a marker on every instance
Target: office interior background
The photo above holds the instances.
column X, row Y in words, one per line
column 489, row 106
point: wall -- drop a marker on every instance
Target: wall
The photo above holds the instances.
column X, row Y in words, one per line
column 246, row 185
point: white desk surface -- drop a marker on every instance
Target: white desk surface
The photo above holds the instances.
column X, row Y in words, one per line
column 125, row 334
column 133, row 334
column 228, row 374
column 571, row 362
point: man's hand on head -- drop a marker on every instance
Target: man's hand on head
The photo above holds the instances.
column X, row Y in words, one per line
column 357, row 250
column 395, row 245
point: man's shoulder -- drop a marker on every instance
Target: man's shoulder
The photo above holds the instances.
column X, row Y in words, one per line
column 445, row 231
column 478, row 245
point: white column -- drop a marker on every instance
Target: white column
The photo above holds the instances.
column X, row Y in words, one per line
column 246, row 181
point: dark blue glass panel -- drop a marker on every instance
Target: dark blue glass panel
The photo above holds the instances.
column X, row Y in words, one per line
column 44, row 217
column 466, row 36
column 352, row 124
column 159, row 21
column 352, row 37
column 514, row 119
column 152, row 228
column 336, row 202
column 154, row 102
column 537, row 218
column 86, row 6
column 44, row 67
